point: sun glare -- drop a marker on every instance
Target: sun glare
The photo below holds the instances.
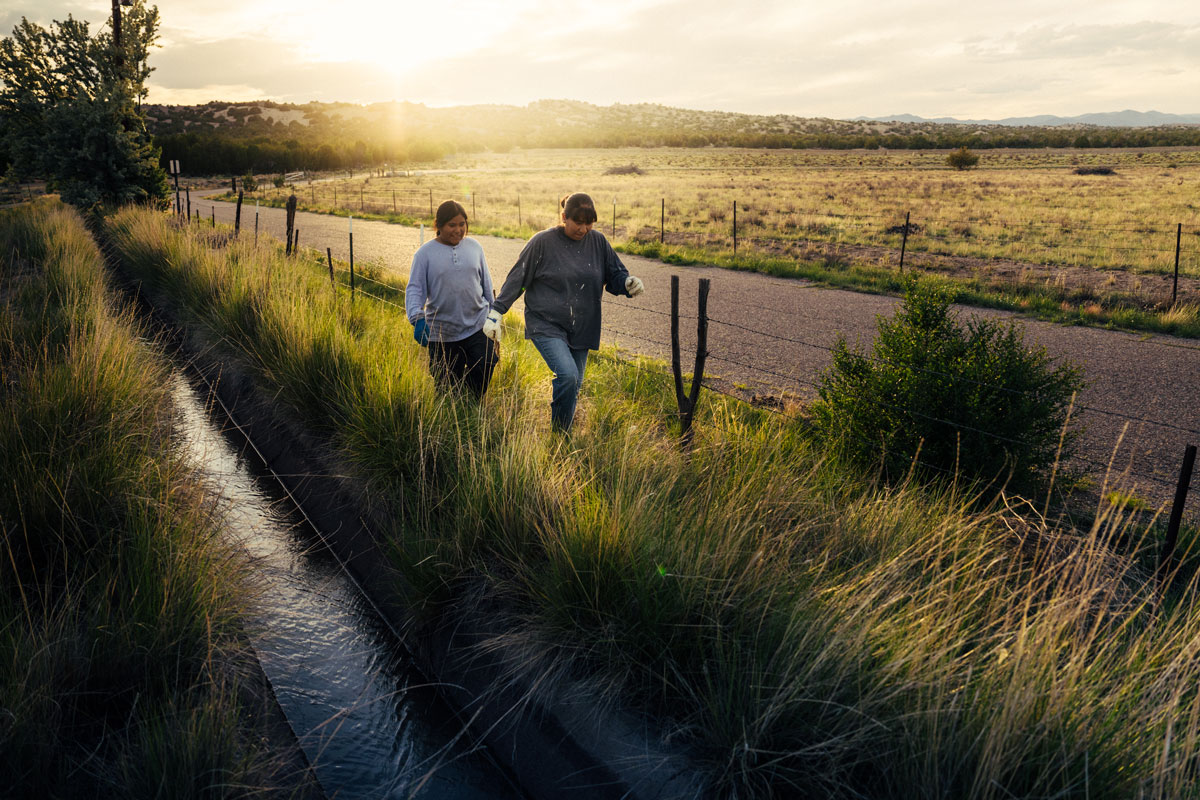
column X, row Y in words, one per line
column 396, row 37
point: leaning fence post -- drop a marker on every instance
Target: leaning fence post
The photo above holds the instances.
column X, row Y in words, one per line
column 687, row 404
column 904, row 240
column 1181, row 492
column 1178, row 241
column 329, row 256
column 237, row 216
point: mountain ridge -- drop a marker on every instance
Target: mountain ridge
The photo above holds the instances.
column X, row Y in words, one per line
column 1127, row 118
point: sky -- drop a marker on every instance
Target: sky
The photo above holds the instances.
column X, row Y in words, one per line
column 962, row 58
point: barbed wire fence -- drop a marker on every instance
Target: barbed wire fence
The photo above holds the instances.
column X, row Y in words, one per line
column 1164, row 250
column 777, row 385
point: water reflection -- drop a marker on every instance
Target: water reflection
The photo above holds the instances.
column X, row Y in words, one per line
column 365, row 717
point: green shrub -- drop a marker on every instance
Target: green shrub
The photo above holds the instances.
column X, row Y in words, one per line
column 249, row 182
column 962, row 158
column 970, row 401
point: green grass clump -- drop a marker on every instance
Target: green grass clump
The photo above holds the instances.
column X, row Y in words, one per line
column 799, row 627
column 121, row 649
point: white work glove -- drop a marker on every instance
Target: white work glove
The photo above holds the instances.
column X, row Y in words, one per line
column 634, row 286
column 491, row 326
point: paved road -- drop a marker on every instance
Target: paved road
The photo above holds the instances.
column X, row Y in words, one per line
column 1131, row 376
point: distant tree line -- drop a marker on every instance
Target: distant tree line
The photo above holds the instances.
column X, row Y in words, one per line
column 293, row 147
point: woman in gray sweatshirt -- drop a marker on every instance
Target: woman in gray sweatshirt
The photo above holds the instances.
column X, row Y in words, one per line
column 562, row 273
column 447, row 300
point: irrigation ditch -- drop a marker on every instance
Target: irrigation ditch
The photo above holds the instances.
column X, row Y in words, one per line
column 377, row 710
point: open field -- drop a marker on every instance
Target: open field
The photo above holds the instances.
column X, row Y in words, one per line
column 1016, row 205
column 799, row 628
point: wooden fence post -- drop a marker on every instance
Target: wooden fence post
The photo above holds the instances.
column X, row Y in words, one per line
column 687, row 403
column 329, row 256
column 237, row 216
column 291, row 223
column 904, row 241
column 295, row 241
column 1181, row 493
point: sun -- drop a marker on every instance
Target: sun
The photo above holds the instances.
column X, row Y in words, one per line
column 395, row 37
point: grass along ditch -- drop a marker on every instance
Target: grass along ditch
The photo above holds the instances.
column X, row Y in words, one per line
column 793, row 625
column 126, row 671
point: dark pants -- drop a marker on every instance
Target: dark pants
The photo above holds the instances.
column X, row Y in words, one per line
column 468, row 362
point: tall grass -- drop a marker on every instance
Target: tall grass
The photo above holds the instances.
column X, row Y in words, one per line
column 798, row 627
column 121, row 649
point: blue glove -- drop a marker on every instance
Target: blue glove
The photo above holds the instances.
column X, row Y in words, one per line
column 421, row 331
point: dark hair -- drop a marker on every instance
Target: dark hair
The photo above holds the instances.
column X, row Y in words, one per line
column 578, row 207
column 448, row 210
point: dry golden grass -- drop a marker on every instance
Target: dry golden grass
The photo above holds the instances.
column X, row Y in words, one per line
column 1023, row 205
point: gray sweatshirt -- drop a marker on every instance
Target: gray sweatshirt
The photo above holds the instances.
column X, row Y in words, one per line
column 562, row 281
column 451, row 287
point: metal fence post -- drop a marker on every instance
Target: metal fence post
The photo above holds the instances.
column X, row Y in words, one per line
column 1178, row 241
column 735, row 228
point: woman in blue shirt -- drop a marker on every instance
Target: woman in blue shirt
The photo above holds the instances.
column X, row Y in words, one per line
column 448, row 298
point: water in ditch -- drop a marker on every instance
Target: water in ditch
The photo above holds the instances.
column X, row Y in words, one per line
column 369, row 723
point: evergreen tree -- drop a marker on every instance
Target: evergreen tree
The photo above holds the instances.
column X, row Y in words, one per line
column 70, row 110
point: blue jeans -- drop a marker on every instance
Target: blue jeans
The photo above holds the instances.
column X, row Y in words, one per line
column 567, row 363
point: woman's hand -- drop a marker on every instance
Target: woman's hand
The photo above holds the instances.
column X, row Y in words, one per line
column 491, row 326
column 634, row 286
column 421, row 331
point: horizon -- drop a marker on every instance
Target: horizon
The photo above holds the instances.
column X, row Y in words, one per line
column 929, row 58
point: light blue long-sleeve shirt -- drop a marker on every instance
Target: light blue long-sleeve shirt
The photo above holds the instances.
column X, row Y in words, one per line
column 451, row 287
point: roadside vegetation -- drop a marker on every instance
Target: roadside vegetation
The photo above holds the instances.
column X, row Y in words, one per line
column 122, row 658
column 1021, row 231
column 801, row 626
